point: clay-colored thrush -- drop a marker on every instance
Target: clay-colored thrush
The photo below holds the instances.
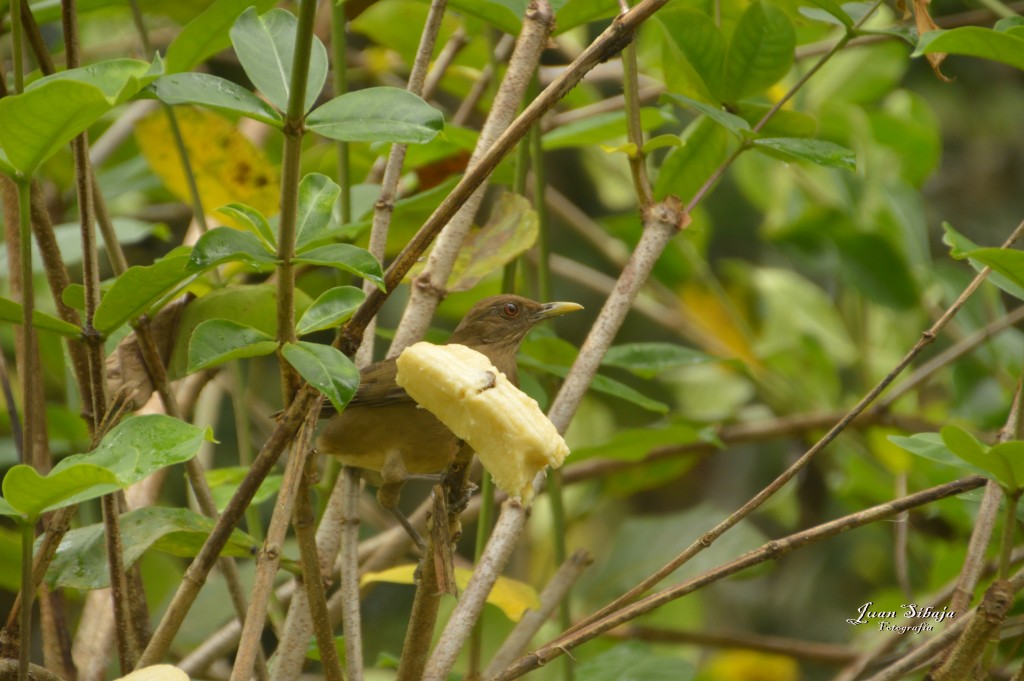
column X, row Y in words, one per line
column 385, row 433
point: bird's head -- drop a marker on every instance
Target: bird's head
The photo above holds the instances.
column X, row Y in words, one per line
column 501, row 322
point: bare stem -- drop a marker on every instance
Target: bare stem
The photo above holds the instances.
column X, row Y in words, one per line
column 351, row 622
column 118, row 583
column 304, row 523
column 492, row 562
column 556, row 591
column 270, row 554
column 28, row 536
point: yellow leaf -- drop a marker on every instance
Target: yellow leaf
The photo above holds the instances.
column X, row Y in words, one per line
column 511, row 229
column 895, row 459
column 227, row 166
column 718, row 330
column 511, row 596
column 749, row 665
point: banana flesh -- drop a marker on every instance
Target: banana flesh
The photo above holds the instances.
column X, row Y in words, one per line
column 506, row 428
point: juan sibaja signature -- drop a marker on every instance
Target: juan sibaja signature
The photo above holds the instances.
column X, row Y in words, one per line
column 909, row 611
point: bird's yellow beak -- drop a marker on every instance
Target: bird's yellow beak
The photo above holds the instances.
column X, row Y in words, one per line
column 556, row 310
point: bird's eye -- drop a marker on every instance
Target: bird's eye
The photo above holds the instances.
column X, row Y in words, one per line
column 510, row 310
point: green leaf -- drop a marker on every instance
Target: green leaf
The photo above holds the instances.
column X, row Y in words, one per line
column 265, row 45
column 833, row 10
column 313, row 649
column 31, row 494
column 783, row 123
column 699, row 49
column 600, row 128
column 345, row 257
column 633, row 444
column 968, row 448
column 138, row 288
column 504, row 14
column 155, row 441
column 42, row 120
column 633, row 661
column 817, row 151
column 218, row 340
column 1007, row 262
column 1012, row 454
column 253, row 305
column 332, row 308
column 578, row 12
column 761, row 52
column 730, row 122
column 224, row 244
column 207, row 33
column 11, row 311
column 132, row 450
column 118, row 79
column 975, row 41
column 252, row 220
column 377, row 114
column 81, row 560
column 317, row 195
column 224, row 483
column 662, row 141
column 601, row 384
column 326, row 369
column 930, row 446
column 685, row 169
column 214, row 93
column 647, row 360
column 877, row 270
column 961, row 247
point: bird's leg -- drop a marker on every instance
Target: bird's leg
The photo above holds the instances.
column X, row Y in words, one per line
column 394, row 476
column 458, row 488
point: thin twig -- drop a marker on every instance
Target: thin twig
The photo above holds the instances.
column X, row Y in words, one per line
column 349, row 559
column 954, row 352
column 270, row 554
column 770, row 551
column 311, row 576
column 813, row 651
column 501, row 52
column 492, row 562
column 554, row 593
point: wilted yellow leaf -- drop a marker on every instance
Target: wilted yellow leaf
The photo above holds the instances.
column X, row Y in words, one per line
column 511, row 229
column 749, row 665
column 720, row 334
column 511, row 596
column 227, row 166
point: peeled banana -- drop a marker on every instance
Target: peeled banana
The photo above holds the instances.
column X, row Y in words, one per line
column 506, row 428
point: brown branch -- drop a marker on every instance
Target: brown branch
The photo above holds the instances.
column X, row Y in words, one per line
column 770, row 551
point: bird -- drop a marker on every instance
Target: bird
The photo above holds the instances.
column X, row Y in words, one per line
column 387, row 435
